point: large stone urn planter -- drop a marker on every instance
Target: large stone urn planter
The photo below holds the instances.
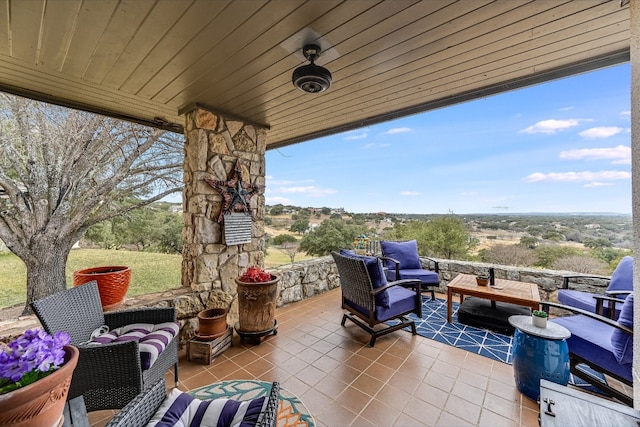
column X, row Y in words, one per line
column 257, row 307
column 40, row 404
column 113, row 283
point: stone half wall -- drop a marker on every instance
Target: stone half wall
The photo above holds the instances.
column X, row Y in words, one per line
column 305, row 279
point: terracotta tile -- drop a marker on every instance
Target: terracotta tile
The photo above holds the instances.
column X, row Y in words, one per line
column 474, row 378
column 258, row 367
column 505, row 391
column 405, row 381
column 448, row 420
column 240, row 374
column 393, row 397
column 529, row 418
column 461, row 408
column 491, row 419
column 380, row 414
column 502, row 407
column 309, row 355
column 311, row 375
column 326, row 363
column 331, row 386
column 438, row 380
column 362, row 422
column 434, row 396
column 336, row 415
column 406, row 421
column 468, row 393
column 354, row 399
column 390, row 361
column 345, row 373
column 379, row 371
column 315, row 401
column 367, row 384
column 371, row 353
column 295, row 386
column 358, row 362
column 445, row 368
column 196, row 381
column 323, row 346
column 422, row 411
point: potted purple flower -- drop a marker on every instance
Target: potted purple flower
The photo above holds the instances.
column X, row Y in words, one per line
column 35, row 374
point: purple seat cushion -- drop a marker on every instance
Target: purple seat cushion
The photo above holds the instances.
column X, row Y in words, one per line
column 376, row 274
column 622, row 276
column 406, row 252
column 152, row 339
column 402, row 300
column 622, row 342
column 591, row 340
column 425, row 276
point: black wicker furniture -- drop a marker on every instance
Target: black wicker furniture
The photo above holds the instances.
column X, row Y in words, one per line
column 144, row 406
column 370, row 301
column 107, row 376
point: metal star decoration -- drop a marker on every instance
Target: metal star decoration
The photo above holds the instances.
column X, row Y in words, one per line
column 236, row 193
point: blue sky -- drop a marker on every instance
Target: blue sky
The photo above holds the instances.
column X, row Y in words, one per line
column 563, row 146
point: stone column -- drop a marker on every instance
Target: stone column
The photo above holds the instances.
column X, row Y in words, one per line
column 213, row 145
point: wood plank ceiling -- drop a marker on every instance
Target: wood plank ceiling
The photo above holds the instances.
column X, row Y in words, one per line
column 149, row 60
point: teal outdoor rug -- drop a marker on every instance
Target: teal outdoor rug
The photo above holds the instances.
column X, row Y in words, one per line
column 434, row 325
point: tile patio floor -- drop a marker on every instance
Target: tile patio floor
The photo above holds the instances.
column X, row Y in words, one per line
column 404, row 380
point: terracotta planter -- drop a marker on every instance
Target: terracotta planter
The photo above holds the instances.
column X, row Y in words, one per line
column 40, row 404
column 257, row 305
column 113, row 283
column 212, row 323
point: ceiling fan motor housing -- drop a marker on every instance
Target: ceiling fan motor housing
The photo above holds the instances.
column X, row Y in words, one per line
column 311, row 78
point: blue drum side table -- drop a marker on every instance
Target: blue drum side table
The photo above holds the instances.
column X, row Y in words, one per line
column 539, row 353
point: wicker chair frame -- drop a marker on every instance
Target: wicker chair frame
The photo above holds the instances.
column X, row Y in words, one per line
column 139, row 411
column 358, row 289
column 107, row 376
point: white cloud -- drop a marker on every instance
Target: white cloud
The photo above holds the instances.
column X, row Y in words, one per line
column 310, row 190
column 398, row 130
column 275, row 200
column 410, row 193
column 600, row 132
column 625, row 113
column 578, row 176
column 598, row 184
column 469, row 193
column 355, row 137
column 618, row 155
column 567, row 108
column 551, row 126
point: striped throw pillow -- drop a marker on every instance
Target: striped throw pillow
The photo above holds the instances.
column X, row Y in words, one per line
column 183, row 410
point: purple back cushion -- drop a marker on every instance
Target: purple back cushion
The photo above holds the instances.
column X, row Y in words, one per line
column 622, row 277
column 405, row 252
column 623, row 343
column 376, row 273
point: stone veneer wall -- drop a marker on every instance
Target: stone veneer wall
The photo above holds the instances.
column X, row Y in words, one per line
column 305, row 279
column 213, row 145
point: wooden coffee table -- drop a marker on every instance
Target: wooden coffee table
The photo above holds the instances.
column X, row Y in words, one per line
column 519, row 293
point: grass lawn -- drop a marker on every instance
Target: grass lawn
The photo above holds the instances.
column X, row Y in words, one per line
column 150, row 272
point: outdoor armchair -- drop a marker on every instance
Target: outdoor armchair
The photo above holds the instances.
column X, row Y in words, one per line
column 403, row 262
column 109, row 375
column 370, row 301
column 608, row 305
column 149, row 402
column 603, row 344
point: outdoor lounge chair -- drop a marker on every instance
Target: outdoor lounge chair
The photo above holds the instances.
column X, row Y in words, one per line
column 109, row 375
column 403, row 262
column 371, row 301
column 605, row 345
column 620, row 285
column 145, row 405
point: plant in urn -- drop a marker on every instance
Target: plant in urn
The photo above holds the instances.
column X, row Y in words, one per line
column 257, row 297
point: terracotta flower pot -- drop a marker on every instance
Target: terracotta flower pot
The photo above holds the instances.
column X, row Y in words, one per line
column 113, row 283
column 212, row 323
column 40, row 404
column 257, row 305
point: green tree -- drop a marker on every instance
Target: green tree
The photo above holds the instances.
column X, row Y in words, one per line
column 547, row 255
column 283, row 238
column 529, row 242
column 300, row 226
column 330, row 235
column 445, row 236
column 596, row 243
column 325, row 211
column 276, row 210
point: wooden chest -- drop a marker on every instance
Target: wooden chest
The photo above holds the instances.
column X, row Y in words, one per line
column 205, row 352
